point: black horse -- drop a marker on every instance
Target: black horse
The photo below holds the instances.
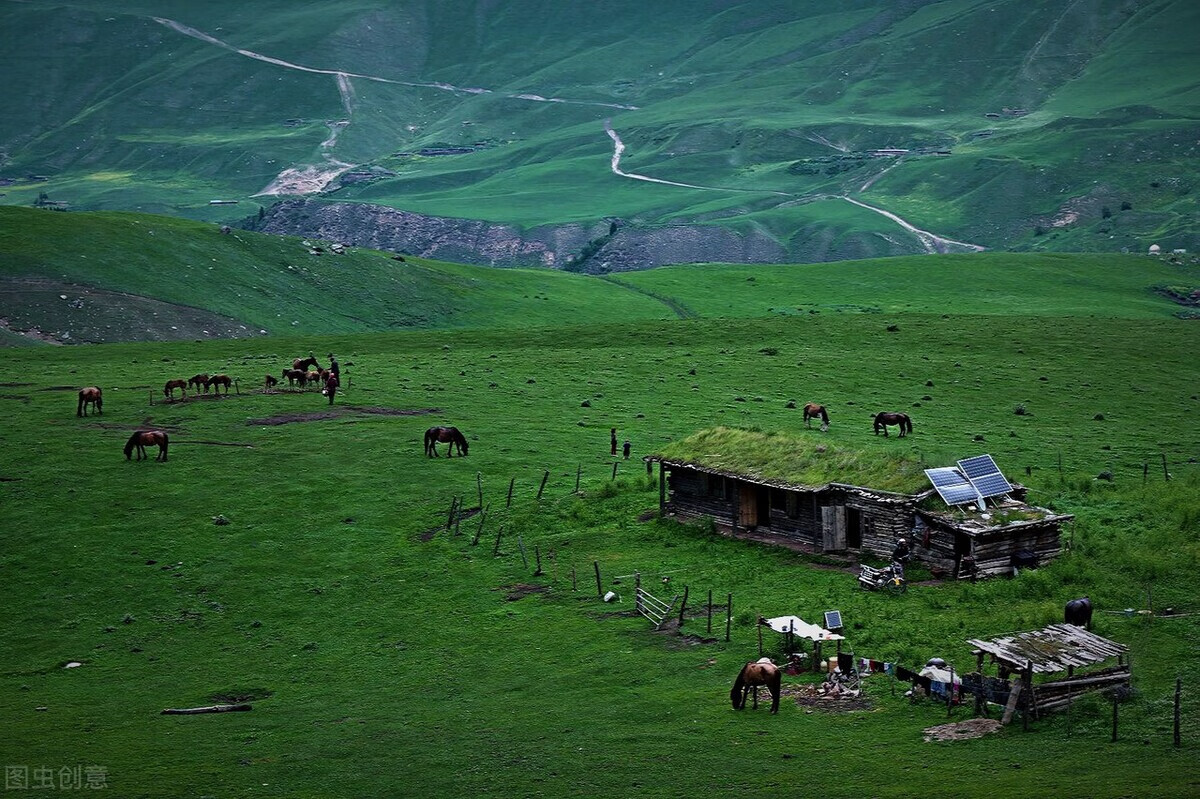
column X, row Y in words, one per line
column 882, row 420
column 1079, row 613
column 445, row 435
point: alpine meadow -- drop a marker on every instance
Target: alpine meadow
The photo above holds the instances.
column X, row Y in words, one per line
column 463, row 398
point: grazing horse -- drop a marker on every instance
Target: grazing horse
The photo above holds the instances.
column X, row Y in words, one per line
column 313, row 376
column 1079, row 613
column 199, row 382
column 811, row 411
column 220, row 380
column 271, row 382
column 169, row 389
column 331, row 387
column 306, row 363
column 445, row 435
column 143, row 438
column 752, row 675
column 90, row 396
column 882, row 420
column 296, row 375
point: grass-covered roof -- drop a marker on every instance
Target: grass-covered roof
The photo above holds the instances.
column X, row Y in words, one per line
column 803, row 462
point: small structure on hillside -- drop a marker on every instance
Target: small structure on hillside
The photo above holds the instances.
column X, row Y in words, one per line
column 1056, row 649
column 821, row 498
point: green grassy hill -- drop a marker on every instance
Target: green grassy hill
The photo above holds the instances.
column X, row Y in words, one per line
column 1026, row 125
column 111, row 276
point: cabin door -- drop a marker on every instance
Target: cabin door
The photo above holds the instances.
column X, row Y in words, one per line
column 854, row 525
column 747, row 506
column 833, row 527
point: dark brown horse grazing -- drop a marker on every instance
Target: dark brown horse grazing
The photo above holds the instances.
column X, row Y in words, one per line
column 144, row 438
column 306, row 363
column 1079, row 612
column 445, row 435
column 811, row 411
column 754, row 674
column 90, row 396
column 296, row 376
column 331, row 387
column 882, row 420
column 199, row 382
column 216, row 381
column 271, row 382
column 169, row 388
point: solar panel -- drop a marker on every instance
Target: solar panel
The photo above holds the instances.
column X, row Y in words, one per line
column 951, row 486
column 833, row 620
column 985, row 475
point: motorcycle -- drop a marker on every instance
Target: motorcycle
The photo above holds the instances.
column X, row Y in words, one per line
column 890, row 579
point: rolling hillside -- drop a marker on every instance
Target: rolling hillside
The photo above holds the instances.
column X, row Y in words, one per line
column 1004, row 125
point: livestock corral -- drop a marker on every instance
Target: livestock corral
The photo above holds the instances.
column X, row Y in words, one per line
column 355, row 593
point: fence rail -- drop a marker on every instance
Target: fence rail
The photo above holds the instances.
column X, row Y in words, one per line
column 652, row 607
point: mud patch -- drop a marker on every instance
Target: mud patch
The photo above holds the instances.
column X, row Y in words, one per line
column 60, row 388
column 17, row 397
column 338, row 411
column 146, row 424
column 962, row 730
column 427, row 535
column 521, row 590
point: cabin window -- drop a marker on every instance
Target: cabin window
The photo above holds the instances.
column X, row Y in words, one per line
column 779, row 499
column 716, row 486
column 793, row 505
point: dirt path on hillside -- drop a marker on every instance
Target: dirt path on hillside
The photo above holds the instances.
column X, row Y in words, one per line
column 930, row 241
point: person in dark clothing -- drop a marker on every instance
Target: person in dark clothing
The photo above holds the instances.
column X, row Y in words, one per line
column 614, row 441
column 627, row 449
column 901, row 553
column 333, row 366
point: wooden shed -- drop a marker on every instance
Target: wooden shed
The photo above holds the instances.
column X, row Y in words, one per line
column 806, row 493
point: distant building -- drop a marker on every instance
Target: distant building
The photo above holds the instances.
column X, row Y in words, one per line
column 1155, row 249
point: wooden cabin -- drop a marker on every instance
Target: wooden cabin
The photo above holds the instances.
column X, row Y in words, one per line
column 804, row 493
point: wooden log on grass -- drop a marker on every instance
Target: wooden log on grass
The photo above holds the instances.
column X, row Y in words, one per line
column 192, row 711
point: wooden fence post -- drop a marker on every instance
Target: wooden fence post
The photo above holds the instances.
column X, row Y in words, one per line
column 728, row 616
column 1114, row 731
column 637, row 591
column 545, row 477
column 537, row 553
column 599, row 588
column 1166, row 474
column 574, row 584
column 615, row 465
column 759, row 626
column 683, row 605
column 237, row 387
column 578, row 474
column 151, row 397
column 710, row 611
column 450, row 518
column 479, row 486
column 496, row 546
column 1178, row 690
column 521, row 546
column 508, row 502
column 482, row 519
column 1145, row 472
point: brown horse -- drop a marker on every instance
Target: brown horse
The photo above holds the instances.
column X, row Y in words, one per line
column 296, row 376
column 752, row 675
column 882, row 420
column 313, row 377
column 169, row 388
column 331, row 387
column 199, row 382
column 90, row 396
column 216, row 381
column 811, row 411
column 445, row 435
column 271, row 382
column 144, row 438
column 306, row 363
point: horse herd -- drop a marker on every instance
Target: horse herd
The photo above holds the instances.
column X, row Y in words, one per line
column 306, row 371
column 882, row 420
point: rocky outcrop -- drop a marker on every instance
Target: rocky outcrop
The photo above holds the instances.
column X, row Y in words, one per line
column 606, row 246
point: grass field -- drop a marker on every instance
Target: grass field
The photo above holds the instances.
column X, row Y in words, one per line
column 384, row 655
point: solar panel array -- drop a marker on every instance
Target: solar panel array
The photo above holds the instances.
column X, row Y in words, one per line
column 952, row 486
column 985, row 475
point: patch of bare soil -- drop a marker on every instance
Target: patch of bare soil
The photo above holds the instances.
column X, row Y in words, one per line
column 17, row 397
column 335, row 412
column 60, row 388
column 810, row 695
column 962, row 730
column 521, row 590
column 427, row 535
column 146, row 424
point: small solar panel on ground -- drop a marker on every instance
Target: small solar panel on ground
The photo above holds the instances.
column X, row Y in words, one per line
column 833, row 620
column 952, row 486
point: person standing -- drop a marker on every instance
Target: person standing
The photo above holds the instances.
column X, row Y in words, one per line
column 333, row 367
column 627, row 449
column 614, row 441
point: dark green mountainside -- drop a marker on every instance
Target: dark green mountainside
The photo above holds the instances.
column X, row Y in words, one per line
column 602, row 137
